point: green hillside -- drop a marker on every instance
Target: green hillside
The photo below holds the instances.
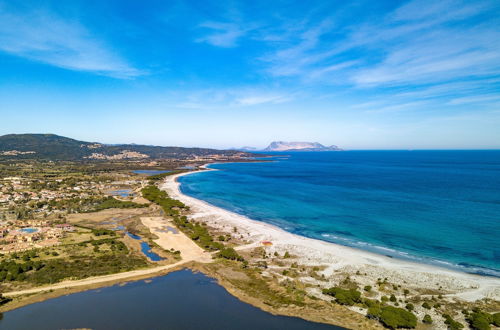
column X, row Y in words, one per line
column 55, row 147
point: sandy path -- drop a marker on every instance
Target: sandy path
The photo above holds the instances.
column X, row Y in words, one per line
column 169, row 239
column 337, row 257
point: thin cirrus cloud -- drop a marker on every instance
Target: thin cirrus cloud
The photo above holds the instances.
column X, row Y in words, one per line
column 222, row 34
column 210, row 99
column 419, row 42
column 44, row 37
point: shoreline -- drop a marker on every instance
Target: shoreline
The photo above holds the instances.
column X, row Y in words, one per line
column 336, row 257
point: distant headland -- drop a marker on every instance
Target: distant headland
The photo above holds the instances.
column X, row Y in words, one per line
column 294, row 146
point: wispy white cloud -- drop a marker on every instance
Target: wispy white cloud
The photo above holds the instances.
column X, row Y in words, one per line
column 223, row 34
column 420, row 42
column 209, row 99
column 474, row 99
column 398, row 107
column 43, row 36
column 262, row 99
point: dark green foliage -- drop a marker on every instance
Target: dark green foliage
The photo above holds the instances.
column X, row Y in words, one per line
column 496, row 319
column 480, row 320
column 393, row 317
column 101, row 232
column 229, row 253
column 373, row 312
column 410, row 307
column 393, row 298
column 4, row 300
column 78, row 205
column 55, row 270
column 452, row 324
column 368, row 288
column 113, row 203
column 343, row 296
column 54, row 147
column 371, row 303
column 171, row 207
column 426, row 305
column 427, row 319
column 82, row 267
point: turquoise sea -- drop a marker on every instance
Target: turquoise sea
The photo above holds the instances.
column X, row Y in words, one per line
column 438, row 207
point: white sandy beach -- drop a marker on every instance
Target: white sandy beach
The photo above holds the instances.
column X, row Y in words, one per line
column 337, row 259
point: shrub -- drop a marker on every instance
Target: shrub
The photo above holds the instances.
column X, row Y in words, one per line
column 393, row 317
column 427, row 319
column 4, row 300
column 368, row 288
column 393, row 298
column 426, row 305
column 496, row 319
column 410, row 307
column 373, row 312
column 229, row 253
column 452, row 324
column 480, row 320
column 343, row 296
column 371, row 303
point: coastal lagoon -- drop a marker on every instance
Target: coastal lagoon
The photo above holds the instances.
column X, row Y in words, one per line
column 437, row 207
column 180, row 300
column 145, row 248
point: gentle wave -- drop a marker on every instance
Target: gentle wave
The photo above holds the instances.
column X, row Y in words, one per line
column 398, row 204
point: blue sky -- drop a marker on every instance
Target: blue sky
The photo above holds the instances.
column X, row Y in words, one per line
column 358, row 74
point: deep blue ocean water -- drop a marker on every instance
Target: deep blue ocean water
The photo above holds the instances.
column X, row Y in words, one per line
column 439, row 207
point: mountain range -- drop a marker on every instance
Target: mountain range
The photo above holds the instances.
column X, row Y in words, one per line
column 55, row 147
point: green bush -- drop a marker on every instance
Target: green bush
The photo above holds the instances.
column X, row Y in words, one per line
column 113, row 203
column 426, row 305
column 4, row 300
column 496, row 319
column 373, row 312
column 393, row 298
column 229, row 253
column 368, row 288
column 480, row 320
column 101, row 232
column 171, row 207
column 371, row 303
column 452, row 324
column 427, row 319
column 344, row 297
column 410, row 307
column 393, row 317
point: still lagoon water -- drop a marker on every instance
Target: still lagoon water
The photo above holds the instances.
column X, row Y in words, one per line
column 180, row 300
column 439, row 207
